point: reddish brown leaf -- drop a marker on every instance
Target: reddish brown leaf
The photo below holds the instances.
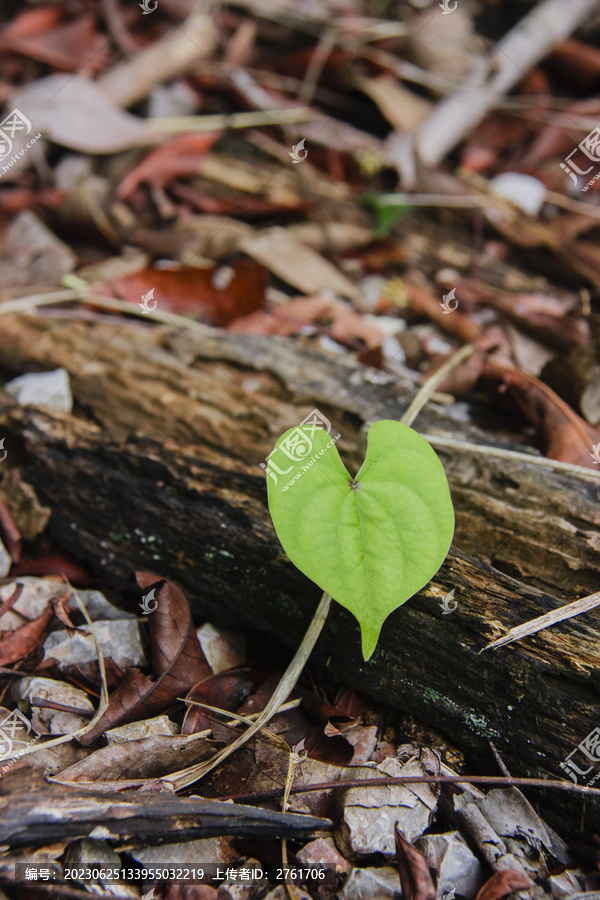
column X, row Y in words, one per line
column 503, row 883
column 180, row 156
column 10, row 532
column 348, row 702
column 189, row 289
column 61, row 611
column 68, row 46
column 567, row 436
column 30, row 22
column 59, row 563
column 414, row 874
column 320, row 711
column 328, row 745
column 16, row 645
column 223, row 691
column 332, row 317
column 177, row 661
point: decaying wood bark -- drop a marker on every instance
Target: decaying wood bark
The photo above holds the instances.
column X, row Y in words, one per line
column 29, row 816
column 158, row 469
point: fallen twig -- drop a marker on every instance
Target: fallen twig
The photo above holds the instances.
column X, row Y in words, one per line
column 545, row 621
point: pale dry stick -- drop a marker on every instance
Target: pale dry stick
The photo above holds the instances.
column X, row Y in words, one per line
column 551, row 618
column 480, row 201
column 235, row 717
column 546, row 26
column 221, row 121
column 428, row 389
column 515, row 455
column 163, row 60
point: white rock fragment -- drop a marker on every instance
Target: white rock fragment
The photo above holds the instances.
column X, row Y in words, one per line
column 525, row 191
column 369, row 814
column 5, row 561
column 453, row 864
column 222, row 647
column 49, row 389
column 51, row 721
column 135, row 731
column 365, row 884
column 32, row 602
column 119, row 640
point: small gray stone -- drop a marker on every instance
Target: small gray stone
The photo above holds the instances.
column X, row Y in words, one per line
column 371, row 883
column 370, row 814
column 119, row 639
column 52, row 721
column 455, row 867
column 51, row 390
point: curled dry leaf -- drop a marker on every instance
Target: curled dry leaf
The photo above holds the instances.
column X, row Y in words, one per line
column 567, row 436
column 177, row 660
column 18, row 644
column 503, row 883
column 413, row 870
column 10, row 532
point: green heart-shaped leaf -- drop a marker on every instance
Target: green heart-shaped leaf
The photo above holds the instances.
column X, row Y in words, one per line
column 370, row 542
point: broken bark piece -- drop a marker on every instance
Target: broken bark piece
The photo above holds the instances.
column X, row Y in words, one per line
column 37, row 813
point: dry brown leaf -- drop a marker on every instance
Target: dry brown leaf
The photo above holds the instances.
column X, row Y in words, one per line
column 177, row 660
column 180, row 156
column 297, row 264
column 189, row 289
column 18, row 644
column 149, row 757
column 334, row 317
column 568, row 437
column 413, row 870
column 503, row 883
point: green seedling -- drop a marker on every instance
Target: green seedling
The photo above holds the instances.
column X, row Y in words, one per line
column 371, row 542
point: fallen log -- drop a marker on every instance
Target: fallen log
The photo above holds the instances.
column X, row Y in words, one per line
column 158, row 468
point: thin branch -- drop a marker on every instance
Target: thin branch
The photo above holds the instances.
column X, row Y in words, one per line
column 421, row 779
